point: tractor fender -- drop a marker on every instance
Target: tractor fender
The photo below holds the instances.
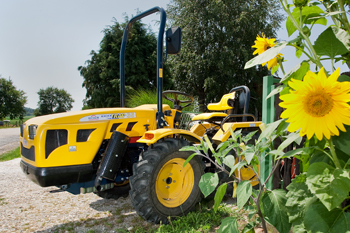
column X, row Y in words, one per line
column 152, row 136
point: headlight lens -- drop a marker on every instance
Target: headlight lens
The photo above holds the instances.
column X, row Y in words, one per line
column 32, row 131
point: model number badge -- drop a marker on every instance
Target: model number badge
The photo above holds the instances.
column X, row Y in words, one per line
column 72, row 148
column 112, row 116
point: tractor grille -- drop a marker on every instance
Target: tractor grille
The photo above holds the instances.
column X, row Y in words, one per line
column 55, row 139
column 28, row 153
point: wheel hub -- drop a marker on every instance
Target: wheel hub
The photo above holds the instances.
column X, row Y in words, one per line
column 174, row 183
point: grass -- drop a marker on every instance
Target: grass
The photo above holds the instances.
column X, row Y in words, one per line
column 13, row 154
column 16, row 122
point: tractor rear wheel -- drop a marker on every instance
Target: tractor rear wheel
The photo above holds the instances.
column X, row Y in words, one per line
column 161, row 186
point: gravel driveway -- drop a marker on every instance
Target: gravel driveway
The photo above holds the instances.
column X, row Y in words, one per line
column 9, row 139
column 27, row 207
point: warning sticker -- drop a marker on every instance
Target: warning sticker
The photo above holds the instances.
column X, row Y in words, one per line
column 112, row 116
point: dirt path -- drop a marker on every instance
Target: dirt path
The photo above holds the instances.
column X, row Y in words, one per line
column 9, row 139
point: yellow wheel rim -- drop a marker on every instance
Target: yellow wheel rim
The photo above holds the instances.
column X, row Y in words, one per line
column 174, row 183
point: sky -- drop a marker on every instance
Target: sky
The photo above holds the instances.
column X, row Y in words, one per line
column 43, row 42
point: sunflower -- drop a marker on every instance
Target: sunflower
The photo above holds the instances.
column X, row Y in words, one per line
column 317, row 105
column 262, row 44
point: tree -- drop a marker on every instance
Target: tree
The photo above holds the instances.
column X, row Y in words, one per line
column 101, row 74
column 53, row 100
column 216, row 44
column 12, row 101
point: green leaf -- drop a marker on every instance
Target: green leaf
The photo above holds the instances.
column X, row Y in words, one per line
column 249, row 136
column 188, row 159
column 343, row 78
column 229, row 161
column 229, row 225
column 275, row 91
column 298, row 72
column 275, row 211
column 290, row 138
column 249, row 228
column 298, row 151
column 248, row 155
column 342, row 36
column 269, row 130
column 330, row 185
column 299, row 199
column 274, row 69
column 220, row 193
column 208, row 183
column 189, row 148
column 319, row 219
column 238, row 166
column 308, row 16
column 266, row 56
column 342, row 142
column 328, row 44
column 244, row 190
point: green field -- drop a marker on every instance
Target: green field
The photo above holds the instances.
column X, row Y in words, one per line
column 10, row 155
column 16, row 122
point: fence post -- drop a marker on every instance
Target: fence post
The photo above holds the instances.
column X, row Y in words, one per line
column 268, row 116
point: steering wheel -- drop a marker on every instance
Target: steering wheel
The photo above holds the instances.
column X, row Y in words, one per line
column 176, row 101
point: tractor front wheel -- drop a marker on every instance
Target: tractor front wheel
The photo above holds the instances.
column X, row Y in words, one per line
column 161, row 186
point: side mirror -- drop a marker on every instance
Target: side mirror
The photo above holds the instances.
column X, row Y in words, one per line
column 173, row 40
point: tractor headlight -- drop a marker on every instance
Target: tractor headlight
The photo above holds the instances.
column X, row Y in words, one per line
column 21, row 128
column 32, row 131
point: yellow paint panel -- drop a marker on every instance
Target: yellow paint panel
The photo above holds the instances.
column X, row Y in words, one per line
column 221, row 136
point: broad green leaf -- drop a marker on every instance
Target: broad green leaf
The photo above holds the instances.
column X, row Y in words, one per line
column 298, row 151
column 290, row 138
column 286, row 90
column 342, row 36
column 238, row 166
column 269, row 130
column 274, row 69
column 319, row 219
column 299, row 199
column 282, row 127
column 249, row 228
column 266, row 56
column 249, row 136
column 208, row 183
column 344, row 78
column 244, row 190
column 275, row 210
column 229, row 225
column 220, row 193
column 298, row 72
column 328, row 44
column 275, row 91
column 330, row 185
column 189, row 148
column 229, row 161
column 342, row 142
column 308, row 16
column 248, row 155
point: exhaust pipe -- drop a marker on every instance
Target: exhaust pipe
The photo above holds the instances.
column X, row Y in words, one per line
column 112, row 159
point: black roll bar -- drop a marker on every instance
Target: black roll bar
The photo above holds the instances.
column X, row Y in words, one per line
column 160, row 114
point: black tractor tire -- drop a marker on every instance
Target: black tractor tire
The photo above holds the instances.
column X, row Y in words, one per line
column 115, row 193
column 148, row 176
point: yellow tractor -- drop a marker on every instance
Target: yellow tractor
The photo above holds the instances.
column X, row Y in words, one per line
column 116, row 151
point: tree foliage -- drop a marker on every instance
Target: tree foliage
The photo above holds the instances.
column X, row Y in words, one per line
column 12, row 101
column 101, row 73
column 53, row 100
column 216, row 44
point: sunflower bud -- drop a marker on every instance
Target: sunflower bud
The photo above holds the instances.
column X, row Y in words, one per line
column 300, row 3
column 306, row 31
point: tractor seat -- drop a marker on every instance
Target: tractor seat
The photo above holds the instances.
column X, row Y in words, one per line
column 210, row 116
column 225, row 103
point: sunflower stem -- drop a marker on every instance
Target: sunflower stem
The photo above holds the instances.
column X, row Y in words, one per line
column 281, row 65
column 334, row 155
